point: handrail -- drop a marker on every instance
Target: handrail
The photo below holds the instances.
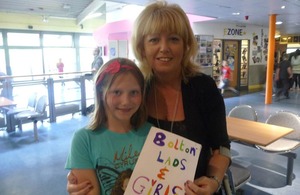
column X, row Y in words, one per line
column 45, row 74
column 48, row 81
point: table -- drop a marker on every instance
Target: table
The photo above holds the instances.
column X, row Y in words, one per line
column 253, row 132
column 4, row 102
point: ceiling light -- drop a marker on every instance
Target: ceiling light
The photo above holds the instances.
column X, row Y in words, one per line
column 45, row 19
column 283, row 7
column 278, row 22
column 235, row 13
column 66, row 6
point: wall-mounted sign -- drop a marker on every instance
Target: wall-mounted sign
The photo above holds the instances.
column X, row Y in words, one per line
column 234, row 31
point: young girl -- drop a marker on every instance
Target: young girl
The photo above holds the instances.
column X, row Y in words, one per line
column 113, row 140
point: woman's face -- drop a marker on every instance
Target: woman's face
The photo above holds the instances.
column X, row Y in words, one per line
column 164, row 52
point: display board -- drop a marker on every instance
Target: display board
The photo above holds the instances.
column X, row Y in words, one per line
column 205, row 49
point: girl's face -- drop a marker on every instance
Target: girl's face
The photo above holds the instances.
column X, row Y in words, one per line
column 123, row 99
column 164, row 52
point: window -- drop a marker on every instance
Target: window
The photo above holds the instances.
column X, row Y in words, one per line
column 23, row 39
column 52, row 55
column 2, row 61
column 1, row 39
column 26, row 61
column 86, row 59
column 87, row 41
column 57, row 40
column 87, row 45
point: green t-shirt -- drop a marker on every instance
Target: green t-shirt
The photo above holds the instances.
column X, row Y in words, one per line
column 107, row 152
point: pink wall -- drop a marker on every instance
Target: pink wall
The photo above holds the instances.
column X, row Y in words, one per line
column 120, row 30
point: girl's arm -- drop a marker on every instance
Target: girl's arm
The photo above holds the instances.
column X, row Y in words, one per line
column 88, row 175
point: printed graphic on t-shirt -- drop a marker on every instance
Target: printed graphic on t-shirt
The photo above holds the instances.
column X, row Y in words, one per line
column 114, row 174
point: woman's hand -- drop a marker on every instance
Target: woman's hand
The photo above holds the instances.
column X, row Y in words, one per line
column 74, row 188
column 201, row 186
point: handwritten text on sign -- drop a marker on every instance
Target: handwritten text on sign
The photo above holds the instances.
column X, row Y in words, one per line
column 166, row 162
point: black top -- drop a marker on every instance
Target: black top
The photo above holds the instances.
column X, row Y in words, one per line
column 283, row 67
column 97, row 63
column 205, row 118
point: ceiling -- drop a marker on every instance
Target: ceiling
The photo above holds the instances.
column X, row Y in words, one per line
column 258, row 11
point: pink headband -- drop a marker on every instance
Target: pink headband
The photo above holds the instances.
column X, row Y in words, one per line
column 112, row 68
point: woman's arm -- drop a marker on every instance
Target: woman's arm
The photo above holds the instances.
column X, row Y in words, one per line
column 209, row 184
column 84, row 175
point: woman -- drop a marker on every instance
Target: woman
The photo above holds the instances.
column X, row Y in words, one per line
column 179, row 98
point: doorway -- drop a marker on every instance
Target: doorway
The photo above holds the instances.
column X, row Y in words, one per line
column 231, row 54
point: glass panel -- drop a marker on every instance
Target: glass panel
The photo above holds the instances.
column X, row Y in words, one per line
column 58, row 40
column 87, row 41
column 231, row 54
column 23, row 39
column 2, row 61
column 86, row 58
column 52, row 55
column 1, row 39
column 26, row 62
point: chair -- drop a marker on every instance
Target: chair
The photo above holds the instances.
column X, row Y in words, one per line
column 238, row 175
column 39, row 113
column 287, row 144
column 11, row 112
column 2, row 121
column 243, row 112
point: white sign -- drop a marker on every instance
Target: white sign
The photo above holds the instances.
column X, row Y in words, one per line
column 166, row 162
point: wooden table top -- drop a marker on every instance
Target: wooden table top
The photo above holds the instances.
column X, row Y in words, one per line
column 253, row 132
column 6, row 102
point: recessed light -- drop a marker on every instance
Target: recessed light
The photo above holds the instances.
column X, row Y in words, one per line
column 66, row 6
column 283, row 7
column 235, row 13
column 278, row 22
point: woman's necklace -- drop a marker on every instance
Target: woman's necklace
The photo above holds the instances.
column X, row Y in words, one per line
column 175, row 111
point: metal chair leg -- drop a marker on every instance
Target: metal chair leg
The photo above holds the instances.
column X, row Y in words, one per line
column 226, row 185
column 35, row 130
column 290, row 166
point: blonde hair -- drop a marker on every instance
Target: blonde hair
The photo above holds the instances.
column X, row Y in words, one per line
column 163, row 17
column 104, row 79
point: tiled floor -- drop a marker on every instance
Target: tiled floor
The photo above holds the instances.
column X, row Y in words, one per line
column 37, row 168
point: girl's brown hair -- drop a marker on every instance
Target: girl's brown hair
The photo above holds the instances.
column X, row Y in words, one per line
column 104, row 79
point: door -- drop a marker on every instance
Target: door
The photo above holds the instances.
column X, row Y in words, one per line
column 231, row 54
